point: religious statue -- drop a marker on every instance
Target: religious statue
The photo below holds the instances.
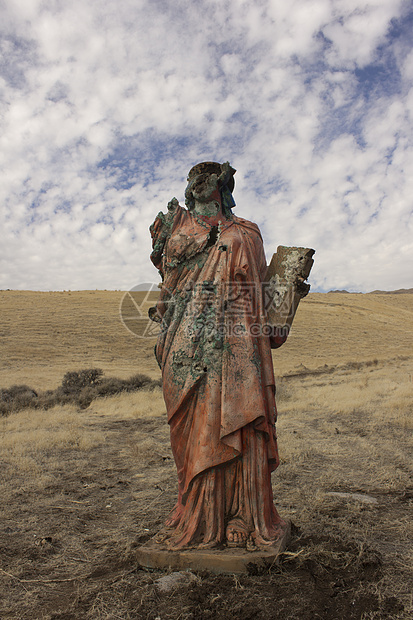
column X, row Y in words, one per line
column 214, row 351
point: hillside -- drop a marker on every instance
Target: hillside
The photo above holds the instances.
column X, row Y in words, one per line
column 43, row 335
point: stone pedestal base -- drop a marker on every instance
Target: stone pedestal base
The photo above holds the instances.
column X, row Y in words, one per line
column 227, row 560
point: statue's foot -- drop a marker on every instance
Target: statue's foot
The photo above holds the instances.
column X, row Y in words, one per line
column 237, row 533
column 251, row 544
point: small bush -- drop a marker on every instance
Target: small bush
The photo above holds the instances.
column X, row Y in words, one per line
column 15, row 398
column 16, row 391
column 136, row 382
column 51, row 398
column 111, row 386
column 74, row 382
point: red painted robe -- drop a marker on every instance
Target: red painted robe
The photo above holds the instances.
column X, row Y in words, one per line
column 218, row 379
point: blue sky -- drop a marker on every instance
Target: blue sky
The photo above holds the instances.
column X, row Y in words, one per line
column 105, row 105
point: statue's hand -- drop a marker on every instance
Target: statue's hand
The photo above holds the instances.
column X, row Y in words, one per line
column 302, row 287
column 172, row 207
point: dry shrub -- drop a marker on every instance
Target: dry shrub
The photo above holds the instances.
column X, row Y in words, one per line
column 80, row 388
column 74, row 382
column 15, row 398
column 111, row 386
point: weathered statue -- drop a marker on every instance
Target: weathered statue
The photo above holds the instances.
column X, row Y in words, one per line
column 214, row 351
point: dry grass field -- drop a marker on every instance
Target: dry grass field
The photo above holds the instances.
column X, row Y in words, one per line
column 82, row 488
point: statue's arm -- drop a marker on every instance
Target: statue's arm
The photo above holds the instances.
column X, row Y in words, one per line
column 279, row 336
column 278, row 339
column 160, row 232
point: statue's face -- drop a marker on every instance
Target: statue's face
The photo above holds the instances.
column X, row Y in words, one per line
column 203, row 186
column 200, row 183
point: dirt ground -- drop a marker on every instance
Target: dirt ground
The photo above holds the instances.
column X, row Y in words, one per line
column 68, row 551
column 82, row 489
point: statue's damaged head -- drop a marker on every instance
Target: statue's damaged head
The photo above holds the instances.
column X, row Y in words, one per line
column 206, row 179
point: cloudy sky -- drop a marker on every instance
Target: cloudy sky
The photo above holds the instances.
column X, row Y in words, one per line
column 106, row 104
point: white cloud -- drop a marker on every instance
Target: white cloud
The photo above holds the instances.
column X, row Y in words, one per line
column 106, row 106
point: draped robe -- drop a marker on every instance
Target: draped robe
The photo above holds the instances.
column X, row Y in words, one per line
column 218, row 380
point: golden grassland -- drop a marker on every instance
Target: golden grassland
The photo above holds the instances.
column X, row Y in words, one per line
column 81, row 488
column 44, row 334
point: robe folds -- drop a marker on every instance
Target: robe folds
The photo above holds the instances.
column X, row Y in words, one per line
column 218, row 382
